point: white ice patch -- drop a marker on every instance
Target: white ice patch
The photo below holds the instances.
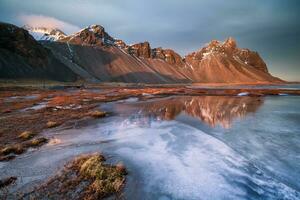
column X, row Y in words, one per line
column 243, row 94
column 206, row 54
column 130, row 100
column 36, row 35
column 36, row 107
column 147, row 94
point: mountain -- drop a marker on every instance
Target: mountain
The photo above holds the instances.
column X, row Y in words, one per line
column 43, row 33
column 21, row 56
column 224, row 62
column 95, row 56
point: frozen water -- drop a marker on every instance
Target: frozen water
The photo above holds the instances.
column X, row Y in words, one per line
column 243, row 94
column 172, row 151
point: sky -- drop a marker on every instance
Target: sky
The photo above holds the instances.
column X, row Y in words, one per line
column 270, row 27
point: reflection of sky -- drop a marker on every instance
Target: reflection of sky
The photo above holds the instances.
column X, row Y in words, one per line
column 269, row 27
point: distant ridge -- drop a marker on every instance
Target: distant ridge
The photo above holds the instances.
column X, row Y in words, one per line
column 93, row 55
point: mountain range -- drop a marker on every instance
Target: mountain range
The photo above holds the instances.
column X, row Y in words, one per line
column 92, row 55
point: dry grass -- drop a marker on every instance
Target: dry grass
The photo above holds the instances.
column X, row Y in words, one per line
column 63, row 100
column 51, row 124
column 12, row 149
column 26, row 135
column 86, row 177
column 36, row 142
column 97, row 114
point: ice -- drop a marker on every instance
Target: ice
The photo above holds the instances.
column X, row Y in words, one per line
column 178, row 158
column 184, row 163
column 243, row 94
column 36, row 107
column 130, row 100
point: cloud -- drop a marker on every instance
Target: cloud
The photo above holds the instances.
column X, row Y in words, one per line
column 48, row 22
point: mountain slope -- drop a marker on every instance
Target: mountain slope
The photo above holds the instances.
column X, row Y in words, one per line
column 23, row 57
column 111, row 64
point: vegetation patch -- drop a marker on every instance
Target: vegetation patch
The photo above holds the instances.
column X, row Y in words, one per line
column 51, row 124
column 97, row 114
column 10, row 151
column 26, row 135
column 36, row 142
column 86, row 177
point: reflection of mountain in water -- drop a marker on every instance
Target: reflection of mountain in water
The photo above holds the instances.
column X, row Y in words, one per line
column 213, row 110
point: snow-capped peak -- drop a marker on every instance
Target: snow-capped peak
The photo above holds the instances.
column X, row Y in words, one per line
column 44, row 33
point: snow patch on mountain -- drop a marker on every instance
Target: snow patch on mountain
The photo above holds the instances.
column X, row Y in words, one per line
column 44, row 33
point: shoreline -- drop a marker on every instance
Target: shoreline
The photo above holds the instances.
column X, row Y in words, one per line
column 32, row 83
column 20, row 111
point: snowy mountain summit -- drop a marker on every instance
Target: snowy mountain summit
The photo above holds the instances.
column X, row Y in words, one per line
column 43, row 33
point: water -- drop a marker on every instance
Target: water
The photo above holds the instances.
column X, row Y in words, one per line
column 185, row 148
column 273, row 86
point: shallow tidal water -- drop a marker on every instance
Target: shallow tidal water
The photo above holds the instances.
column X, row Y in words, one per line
column 207, row 147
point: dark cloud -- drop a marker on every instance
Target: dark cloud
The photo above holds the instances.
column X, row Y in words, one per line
column 270, row 27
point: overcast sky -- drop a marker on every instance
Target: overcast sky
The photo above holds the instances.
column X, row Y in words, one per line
column 271, row 27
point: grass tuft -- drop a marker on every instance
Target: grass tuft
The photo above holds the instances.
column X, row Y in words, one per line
column 51, row 124
column 26, row 135
column 98, row 114
column 36, row 142
column 86, row 177
column 15, row 149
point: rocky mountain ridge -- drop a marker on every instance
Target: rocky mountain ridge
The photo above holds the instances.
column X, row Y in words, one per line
column 96, row 35
column 104, row 58
column 227, row 49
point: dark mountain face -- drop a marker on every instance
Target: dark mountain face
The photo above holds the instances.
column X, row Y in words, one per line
column 23, row 57
column 92, row 54
column 18, row 41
